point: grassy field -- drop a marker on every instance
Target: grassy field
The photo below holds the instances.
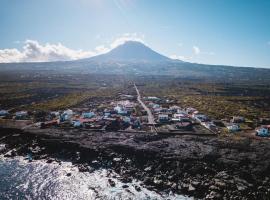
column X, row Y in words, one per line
column 52, row 92
column 38, row 91
column 216, row 99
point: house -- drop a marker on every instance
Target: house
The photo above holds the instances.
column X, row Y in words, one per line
column 238, row 119
column 21, row 115
column 180, row 117
column 191, row 110
column 3, row 113
column 210, row 125
column 55, row 114
column 174, row 109
column 233, row 127
column 129, row 107
column 127, row 97
column 263, row 131
column 120, row 110
column 107, row 114
column 126, row 119
column 88, row 115
column 200, row 117
column 163, row 118
column 152, row 98
column 77, row 124
column 154, row 105
column 66, row 115
column 164, row 110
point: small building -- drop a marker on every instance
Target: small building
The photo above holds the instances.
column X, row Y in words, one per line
column 191, row 110
column 55, row 114
column 210, row 125
column 129, row 107
column 233, row 127
column 66, row 116
column 201, row 117
column 88, row 115
column 174, row 109
column 107, row 114
column 77, row 124
column 127, row 97
column 163, row 118
column 180, row 115
column 238, row 119
column 263, row 131
column 21, row 115
column 3, row 113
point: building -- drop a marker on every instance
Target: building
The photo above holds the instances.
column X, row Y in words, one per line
column 210, row 125
column 152, row 98
column 163, row 118
column 3, row 113
column 233, row 127
column 200, row 117
column 88, row 115
column 191, row 110
column 21, row 115
column 263, row 131
column 66, row 115
column 238, row 119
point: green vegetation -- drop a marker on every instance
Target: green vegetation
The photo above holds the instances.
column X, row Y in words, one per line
column 216, row 99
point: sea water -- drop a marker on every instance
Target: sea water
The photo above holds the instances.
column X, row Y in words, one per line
column 21, row 179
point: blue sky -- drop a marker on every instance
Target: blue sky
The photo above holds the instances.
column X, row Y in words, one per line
column 229, row 32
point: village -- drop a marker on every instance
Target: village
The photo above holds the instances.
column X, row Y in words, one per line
column 133, row 113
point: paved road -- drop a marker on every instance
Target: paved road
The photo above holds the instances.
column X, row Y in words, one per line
column 151, row 119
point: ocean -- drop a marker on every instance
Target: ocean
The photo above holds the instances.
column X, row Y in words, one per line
column 21, row 179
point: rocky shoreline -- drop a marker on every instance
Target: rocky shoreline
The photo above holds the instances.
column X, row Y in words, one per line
column 202, row 167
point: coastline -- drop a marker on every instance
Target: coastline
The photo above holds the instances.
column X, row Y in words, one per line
column 201, row 167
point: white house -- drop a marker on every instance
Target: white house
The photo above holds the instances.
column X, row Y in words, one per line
column 3, row 112
column 263, row 131
column 233, row 127
column 163, row 118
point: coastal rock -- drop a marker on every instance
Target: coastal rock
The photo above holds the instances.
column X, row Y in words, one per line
column 191, row 188
column 117, row 159
column 111, row 182
column 125, row 186
column 10, row 154
column 137, row 188
column 147, row 169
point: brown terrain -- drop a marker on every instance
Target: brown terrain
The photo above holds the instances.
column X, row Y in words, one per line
column 205, row 167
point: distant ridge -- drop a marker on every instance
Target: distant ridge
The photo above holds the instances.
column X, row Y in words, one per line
column 130, row 51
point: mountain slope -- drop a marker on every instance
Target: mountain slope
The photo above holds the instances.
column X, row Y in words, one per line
column 134, row 58
column 130, row 51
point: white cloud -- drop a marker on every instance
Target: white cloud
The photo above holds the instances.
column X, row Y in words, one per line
column 183, row 58
column 127, row 37
column 196, row 50
column 101, row 49
column 10, row 55
column 33, row 51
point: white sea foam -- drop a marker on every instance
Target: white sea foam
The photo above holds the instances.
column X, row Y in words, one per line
column 40, row 180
